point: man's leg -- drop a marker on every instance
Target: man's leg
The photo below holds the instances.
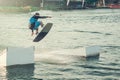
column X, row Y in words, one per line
column 36, row 31
column 32, row 28
column 32, row 32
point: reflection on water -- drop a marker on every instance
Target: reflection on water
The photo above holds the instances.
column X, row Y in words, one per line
column 22, row 72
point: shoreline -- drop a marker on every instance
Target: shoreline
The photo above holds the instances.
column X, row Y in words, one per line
column 25, row 9
column 12, row 9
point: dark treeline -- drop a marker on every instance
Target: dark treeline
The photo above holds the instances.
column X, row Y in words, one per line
column 20, row 3
column 55, row 3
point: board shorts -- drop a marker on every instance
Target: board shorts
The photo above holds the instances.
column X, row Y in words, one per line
column 34, row 26
column 37, row 24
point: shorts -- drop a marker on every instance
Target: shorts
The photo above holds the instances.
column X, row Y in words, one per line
column 35, row 25
column 32, row 26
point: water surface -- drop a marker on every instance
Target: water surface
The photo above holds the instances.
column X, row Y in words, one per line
column 71, row 30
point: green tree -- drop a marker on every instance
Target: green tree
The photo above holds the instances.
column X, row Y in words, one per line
column 91, row 1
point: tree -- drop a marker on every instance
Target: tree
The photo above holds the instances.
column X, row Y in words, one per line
column 91, row 1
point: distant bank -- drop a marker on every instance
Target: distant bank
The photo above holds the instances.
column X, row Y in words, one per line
column 14, row 9
column 18, row 9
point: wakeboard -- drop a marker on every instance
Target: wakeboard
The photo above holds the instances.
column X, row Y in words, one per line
column 43, row 32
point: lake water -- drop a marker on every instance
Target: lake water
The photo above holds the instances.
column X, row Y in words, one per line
column 71, row 30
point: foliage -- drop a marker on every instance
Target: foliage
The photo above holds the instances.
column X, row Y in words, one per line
column 18, row 9
column 91, row 1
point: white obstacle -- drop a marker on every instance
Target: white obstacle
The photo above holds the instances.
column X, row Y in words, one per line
column 90, row 51
column 17, row 56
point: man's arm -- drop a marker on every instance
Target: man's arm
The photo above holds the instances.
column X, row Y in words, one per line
column 44, row 16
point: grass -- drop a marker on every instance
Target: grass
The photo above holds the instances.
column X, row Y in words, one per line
column 12, row 9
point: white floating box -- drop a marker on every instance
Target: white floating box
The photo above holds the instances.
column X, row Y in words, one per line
column 90, row 51
column 17, row 56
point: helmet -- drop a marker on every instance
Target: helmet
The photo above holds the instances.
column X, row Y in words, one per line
column 37, row 14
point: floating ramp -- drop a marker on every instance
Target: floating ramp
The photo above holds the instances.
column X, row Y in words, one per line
column 21, row 56
column 17, row 56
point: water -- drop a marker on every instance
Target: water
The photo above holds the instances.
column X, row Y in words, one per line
column 54, row 56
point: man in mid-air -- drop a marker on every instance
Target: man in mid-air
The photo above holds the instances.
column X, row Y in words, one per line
column 34, row 23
